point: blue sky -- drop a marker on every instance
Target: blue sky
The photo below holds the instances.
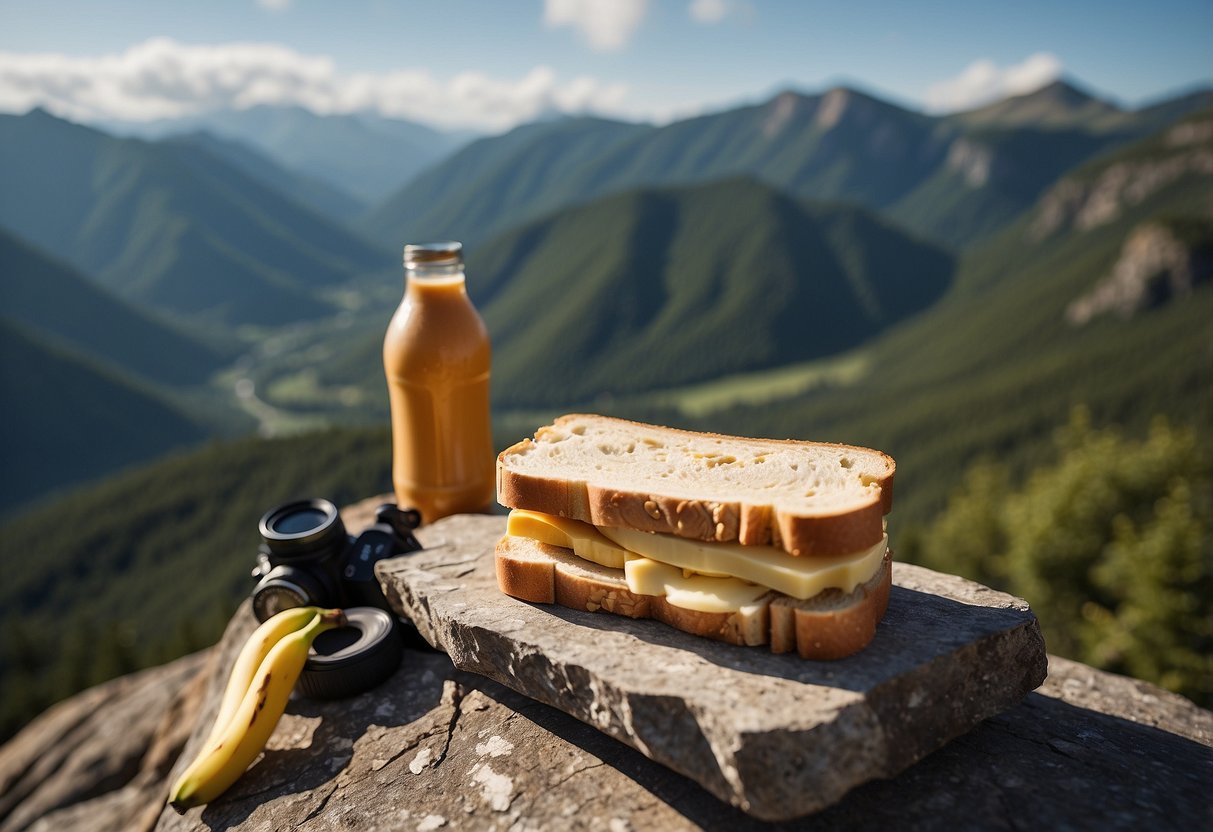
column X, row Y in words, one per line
column 490, row 64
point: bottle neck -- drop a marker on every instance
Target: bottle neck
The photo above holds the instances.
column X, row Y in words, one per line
column 449, row 277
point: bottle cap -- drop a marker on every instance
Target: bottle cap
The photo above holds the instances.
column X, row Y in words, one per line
column 449, row 253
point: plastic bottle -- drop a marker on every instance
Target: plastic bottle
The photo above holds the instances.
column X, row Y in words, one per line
column 436, row 358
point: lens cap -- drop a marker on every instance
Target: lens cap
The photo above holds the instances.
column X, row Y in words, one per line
column 354, row 658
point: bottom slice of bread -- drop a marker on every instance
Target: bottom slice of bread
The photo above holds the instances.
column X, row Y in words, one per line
column 830, row 625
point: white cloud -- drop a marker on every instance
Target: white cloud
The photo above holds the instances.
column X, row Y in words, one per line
column 708, row 11
column 711, row 12
column 275, row 5
column 162, row 78
column 607, row 25
column 982, row 82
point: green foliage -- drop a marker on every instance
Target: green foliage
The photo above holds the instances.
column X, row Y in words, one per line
column 1111, row 543
column 1160, row 575
column 964, row 535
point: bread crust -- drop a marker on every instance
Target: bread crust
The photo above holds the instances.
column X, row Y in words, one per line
column 831, row 626
column 708, row 520
column 527, row 578
column 831, row 633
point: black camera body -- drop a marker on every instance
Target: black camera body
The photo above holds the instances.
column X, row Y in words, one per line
column 307, row 558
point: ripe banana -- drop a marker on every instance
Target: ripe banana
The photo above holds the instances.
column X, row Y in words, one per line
column 254, row 650
column 239, row 742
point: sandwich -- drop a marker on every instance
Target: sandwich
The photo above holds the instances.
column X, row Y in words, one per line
column 747, row 541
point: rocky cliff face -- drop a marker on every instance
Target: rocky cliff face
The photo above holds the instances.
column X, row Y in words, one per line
column 433, row 748
column 1083, row 203
column 972, row 160
column 1155, row 266
column 100, row 760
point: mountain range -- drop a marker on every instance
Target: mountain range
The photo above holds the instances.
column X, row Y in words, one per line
column 363, row 154
column 994, row 367
column 612, row 261
column 85, row 377
column 952, row 179
column 171, row 226
column 658, row 287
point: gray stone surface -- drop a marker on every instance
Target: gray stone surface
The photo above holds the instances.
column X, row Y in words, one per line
column 107, row 748
column 776, row 736
column 434, row 747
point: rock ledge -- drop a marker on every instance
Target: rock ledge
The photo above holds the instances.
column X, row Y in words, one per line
column 776, row 736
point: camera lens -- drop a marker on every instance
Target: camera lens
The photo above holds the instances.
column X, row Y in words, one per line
column 303, row 529
column 303, row 520
column 274, row 599
column 285, row 587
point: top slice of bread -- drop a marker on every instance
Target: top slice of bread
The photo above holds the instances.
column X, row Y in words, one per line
column 808, row 498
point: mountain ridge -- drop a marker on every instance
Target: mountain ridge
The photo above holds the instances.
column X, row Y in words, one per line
column 170, row 225
column 669, row 285
column 839, row 145
column 317, row 194
column 362, row 153
column 1063, row 102
column 47, row 295
column 112, row 422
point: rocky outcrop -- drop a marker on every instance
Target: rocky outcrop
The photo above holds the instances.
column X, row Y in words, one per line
column 99, row 760
column 1086, row 202
column 743, row 723
column 434, row 748
column 1154, row 267
column 973, row 161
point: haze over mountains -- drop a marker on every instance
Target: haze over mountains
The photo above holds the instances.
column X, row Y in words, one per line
column 364, row 154
column 315, row 193
column 169, row 225
column 610, row 259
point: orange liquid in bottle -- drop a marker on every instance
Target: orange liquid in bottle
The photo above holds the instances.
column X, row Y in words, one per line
column 436, row 357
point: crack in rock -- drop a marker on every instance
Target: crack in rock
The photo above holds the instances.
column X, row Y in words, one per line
column 320, row 807
column 452, row 695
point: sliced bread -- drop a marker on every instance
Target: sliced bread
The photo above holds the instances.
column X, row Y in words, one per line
column 808, row 498
column 831, row 625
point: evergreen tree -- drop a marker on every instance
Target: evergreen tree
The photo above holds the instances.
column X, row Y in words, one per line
column 1111, row 544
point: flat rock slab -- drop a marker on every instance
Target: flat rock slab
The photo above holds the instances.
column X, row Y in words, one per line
column 776, row 736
